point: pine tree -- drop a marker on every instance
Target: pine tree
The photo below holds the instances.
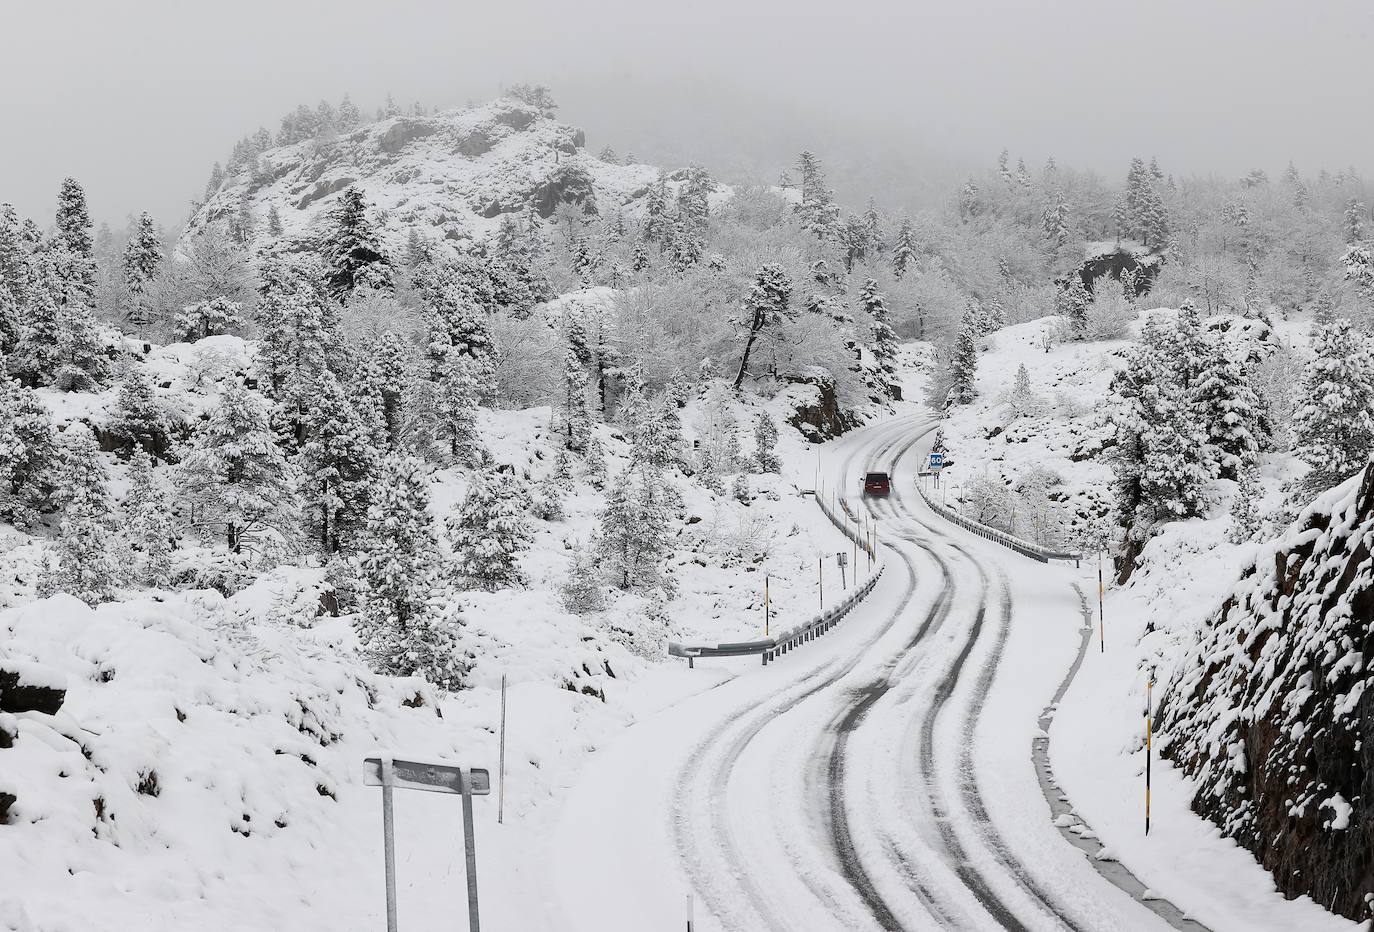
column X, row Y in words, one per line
column 1072, row 304
column 818, row 211
column 489, row 533
column 404, row 626
column 1228, row 409
column 739, row 490
column 633, row 539
column 767, row 306
column 766, row 444
column 1334, row 429
column 28, row 452
column 1022, row 398
column 576, row 418
column 456, row 413
column 546, row 499
column 583, row 590
column 237, row 478
column 1354, row 221
column 147, row 522
column 337, row 464
column 904, row 249
column 1244, row 513
column 1055, row 221
column 349, row 115
column 963, row 368
column 38, row 354
column 142, row 255
column 595, row 462
column 74, row 236
column 87, row 566
column 138, row 417
column 884, row 337
column 353, row 252
column 299, row 333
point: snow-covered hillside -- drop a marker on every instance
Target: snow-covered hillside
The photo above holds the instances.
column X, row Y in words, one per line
column 1271, row 710
column 451, row 176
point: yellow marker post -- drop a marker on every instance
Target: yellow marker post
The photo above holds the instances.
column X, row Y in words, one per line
column 1149, row 742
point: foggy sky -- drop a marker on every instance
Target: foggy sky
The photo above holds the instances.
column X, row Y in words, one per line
column 138, row 98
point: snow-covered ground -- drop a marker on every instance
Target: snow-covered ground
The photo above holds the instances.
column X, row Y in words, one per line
column 205, row 771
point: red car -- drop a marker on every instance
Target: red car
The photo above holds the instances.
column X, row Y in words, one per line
column 877, row 484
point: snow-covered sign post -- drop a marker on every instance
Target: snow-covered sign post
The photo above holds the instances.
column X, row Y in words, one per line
column 937, row 462
column 389, row 773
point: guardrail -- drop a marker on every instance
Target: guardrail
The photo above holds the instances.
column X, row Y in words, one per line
column 771, row 648
column 1023, row 547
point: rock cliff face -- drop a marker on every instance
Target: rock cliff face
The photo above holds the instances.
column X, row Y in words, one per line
column 451, row 175
column 1273, row 711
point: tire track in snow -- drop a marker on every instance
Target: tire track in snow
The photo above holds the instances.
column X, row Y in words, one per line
column 716, row 783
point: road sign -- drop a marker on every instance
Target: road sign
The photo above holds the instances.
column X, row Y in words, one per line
column 937, row 459
column 389, row 774
column 436, row 778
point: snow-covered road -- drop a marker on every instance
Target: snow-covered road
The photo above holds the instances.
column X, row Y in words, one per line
column 878, row 778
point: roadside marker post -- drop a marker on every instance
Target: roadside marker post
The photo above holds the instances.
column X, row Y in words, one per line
column 1149, row 743
column 389, row 773
column 841, row 559
column 1101, row 615
column 820, row 579
column 690, row 914
column 767, row 606
column 501, row 795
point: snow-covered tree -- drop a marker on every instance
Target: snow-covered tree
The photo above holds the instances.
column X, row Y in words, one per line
column 147, row 522
column 766, row 443
column 739, row 489
column 138, row 417
column 76, row 247
column 142, row 255
column 1071, row 303
column 1160, row 458
column 489, row 533
column 28, row 453
column 87, row 565
column 337, row 464
column 207, row 319
column 353, row 252
column 595, row 462
column 767, row 306
column 1227, row 408
column 236, row 477
column 884, row 337
column 633, row 540
column 1335, row 420
column 407, row 624
column 455, row 413
column 1245, row 520
column 904, row 249
column 576, row 418
column 583, row 589
column 963, row 368
column 546, row 499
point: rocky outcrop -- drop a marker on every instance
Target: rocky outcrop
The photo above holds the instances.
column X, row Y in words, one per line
column 26, row 687
column 403, row 132
column 816, row 410
column 1273, row 711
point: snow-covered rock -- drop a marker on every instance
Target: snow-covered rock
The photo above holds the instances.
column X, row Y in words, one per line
column 451, row 175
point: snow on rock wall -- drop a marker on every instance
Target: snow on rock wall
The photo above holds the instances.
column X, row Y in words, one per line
column 452, row 175
column 1272, row 711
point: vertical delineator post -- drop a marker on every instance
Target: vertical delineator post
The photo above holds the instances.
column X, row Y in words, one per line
column 469, row 849
column 389, row 843
column 1149, row 744
column 1101, row 616
column 501, row 789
